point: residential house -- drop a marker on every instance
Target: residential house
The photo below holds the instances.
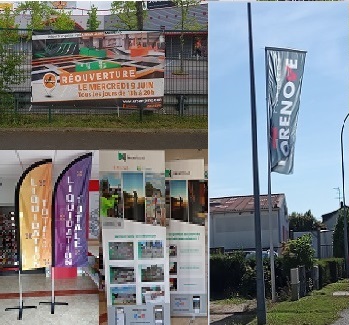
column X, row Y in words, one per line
column 232, row 222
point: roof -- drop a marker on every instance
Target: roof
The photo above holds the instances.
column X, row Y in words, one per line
column 244, row 203
column 325, row 217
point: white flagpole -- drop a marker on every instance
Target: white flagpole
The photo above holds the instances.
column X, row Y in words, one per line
column 271, row 245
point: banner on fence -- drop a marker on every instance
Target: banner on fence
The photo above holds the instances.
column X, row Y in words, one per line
column 125, row 69
column 33, row 212
column 70, row 208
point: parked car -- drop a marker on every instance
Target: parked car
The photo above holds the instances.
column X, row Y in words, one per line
column 265, row 254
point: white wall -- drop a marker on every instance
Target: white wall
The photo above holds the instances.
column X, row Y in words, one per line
column 7, row 192
column 234, row 231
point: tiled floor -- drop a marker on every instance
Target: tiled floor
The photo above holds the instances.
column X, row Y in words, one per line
column 80, row 293
column 38, row 282
column 82, row 310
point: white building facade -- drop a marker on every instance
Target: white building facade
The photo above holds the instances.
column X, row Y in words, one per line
column 232, row 222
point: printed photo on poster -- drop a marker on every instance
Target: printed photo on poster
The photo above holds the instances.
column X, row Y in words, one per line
column 123, row 295
column 153, row 294
column 111, row 202
column 179, row 200
column 122, row 275
column 155, row 199
column 151, row 249
column 133, row 196
column 121, row 251
column 173, row 284
column 198, row 193
column 167, row 201
column 152, row 273
column 173, row 250
column 173, row 268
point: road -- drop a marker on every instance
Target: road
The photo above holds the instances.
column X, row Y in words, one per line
column 72, row 139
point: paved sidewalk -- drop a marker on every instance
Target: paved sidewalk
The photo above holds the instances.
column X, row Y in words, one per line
column 344, row 320
column 229, row 314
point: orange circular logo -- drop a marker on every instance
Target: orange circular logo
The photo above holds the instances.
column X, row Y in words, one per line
column 50, row 80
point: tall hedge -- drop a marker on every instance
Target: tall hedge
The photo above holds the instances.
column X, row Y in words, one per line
column 226, row 272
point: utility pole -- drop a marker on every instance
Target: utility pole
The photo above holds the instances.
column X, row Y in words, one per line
column 346, row 257
column 261, row 308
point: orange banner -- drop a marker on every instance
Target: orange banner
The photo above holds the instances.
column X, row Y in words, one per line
column 34, row 193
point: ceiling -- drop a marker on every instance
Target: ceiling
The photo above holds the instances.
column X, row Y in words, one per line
column 14, row 162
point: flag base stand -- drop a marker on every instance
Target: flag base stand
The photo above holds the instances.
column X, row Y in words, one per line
column 21, row 306
column 53, row 302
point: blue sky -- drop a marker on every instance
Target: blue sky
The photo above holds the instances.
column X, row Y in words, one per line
column 133, row 181
column 179, row 189
column 319, row 28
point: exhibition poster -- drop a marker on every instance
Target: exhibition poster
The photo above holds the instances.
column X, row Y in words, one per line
column 122, row 69
column 188, row 203
column 136, row 272
column 33, row 211
column 188, row 276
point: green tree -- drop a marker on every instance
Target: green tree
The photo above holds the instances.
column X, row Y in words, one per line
column 338, row 235
column 63, row 21
column 139, row 14
column 11, row 64
column 43, row 15
column 304, row 222
column 298, row 252
column 186, row 23
column 92, row 21
column 11, row 61
column 40, row 13
column 129, row 13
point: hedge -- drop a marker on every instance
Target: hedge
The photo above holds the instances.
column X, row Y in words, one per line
column 233, row 275
column 330, row 270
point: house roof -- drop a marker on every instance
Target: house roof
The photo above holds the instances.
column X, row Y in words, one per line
column 244, row 203
column 325, row 217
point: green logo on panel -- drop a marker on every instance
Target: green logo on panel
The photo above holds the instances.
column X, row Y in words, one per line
column 122, row 156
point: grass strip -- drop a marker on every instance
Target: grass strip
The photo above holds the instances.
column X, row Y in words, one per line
column 231, row 301
column 320, row 308
column 131, row 121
